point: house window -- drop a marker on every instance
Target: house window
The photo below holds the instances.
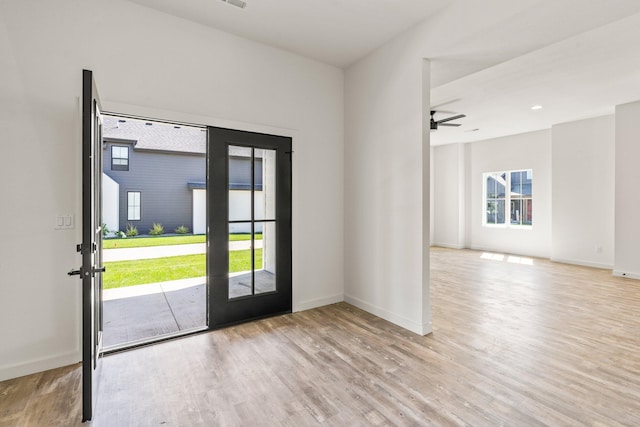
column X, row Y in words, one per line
column 508, row 198
column 119, row 158
column 133, row 205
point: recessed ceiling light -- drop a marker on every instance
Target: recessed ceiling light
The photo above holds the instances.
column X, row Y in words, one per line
column 537, row 107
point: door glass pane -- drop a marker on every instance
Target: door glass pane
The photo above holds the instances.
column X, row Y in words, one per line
column 239, row 183
column 240, row 260
column 265, row 184
column 265, row 257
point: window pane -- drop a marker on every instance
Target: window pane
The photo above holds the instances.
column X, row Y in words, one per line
column 527, row 218
column 265, row 184
column 501, row 183
column 133, row 205
column 240, row 260
column 516, row 210
column 265, row 257
column 527, row 183
column 491, row 187
column 495, row 211
column 239, row 183
column 516, row 184
column 119, row 152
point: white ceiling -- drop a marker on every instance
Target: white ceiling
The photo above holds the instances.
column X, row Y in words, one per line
column 336, row 32
column 577, row 59
column 580, row 77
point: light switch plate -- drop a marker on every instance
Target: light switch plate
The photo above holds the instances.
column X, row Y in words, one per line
column 63, row 222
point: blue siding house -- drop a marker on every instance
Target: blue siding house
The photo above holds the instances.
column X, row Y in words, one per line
column 155, row 172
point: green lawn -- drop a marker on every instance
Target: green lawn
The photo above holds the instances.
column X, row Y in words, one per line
column 129, row 273
column 140, row 242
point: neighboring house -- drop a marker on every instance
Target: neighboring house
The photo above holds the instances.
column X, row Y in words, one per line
column 155, row 172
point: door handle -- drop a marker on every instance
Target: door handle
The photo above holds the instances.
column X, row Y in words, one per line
column 94, row 270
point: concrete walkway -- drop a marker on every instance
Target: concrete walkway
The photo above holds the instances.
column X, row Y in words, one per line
column 126, row 254
column 141, row 312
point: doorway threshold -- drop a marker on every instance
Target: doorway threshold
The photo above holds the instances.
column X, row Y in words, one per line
column 132, row 345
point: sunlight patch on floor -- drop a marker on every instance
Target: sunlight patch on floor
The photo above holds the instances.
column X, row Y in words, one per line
column 508, row 258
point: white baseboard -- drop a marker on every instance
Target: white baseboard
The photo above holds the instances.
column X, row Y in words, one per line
column 626, row 274
column 16, row 370
column 582, row 263
column 319, row 302
column 446, row 245
column 417, row 328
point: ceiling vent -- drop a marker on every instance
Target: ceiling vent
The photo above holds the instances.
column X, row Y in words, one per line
column 237, row 3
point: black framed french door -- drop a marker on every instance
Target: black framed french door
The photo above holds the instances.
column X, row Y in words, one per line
column 249, row 219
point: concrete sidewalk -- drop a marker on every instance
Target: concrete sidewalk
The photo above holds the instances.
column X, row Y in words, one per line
column 127, row 254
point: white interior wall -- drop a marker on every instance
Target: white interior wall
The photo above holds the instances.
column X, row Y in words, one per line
column 583, row 192
column 449, row 199
column 627, row 196
column 387, row 188
column 149, row 61
column 525, row 151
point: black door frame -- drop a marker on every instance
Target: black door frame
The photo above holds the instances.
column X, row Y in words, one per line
column 222, row 310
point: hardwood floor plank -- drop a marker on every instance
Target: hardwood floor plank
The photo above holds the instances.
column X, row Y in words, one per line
column 516, row 342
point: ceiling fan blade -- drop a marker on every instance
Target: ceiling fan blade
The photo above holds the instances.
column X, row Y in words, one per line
column 449, row 124
column 448, row 119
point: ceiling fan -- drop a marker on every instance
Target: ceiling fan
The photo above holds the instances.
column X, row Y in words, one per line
column 444, row 122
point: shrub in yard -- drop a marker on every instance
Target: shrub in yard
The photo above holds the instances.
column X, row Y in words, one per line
column 105, row 230
column 157, row 229
column 132, row 230
column 182, row 230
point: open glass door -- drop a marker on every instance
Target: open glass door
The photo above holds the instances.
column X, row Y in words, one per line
column 250, row 226
column 91, row 247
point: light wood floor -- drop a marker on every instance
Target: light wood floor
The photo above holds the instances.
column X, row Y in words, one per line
column 513, row 344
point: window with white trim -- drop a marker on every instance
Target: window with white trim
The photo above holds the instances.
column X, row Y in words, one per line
column 508, row 198
column 133, row 205
column 119, row 158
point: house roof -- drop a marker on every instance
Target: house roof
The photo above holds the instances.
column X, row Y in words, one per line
column 155, row 136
